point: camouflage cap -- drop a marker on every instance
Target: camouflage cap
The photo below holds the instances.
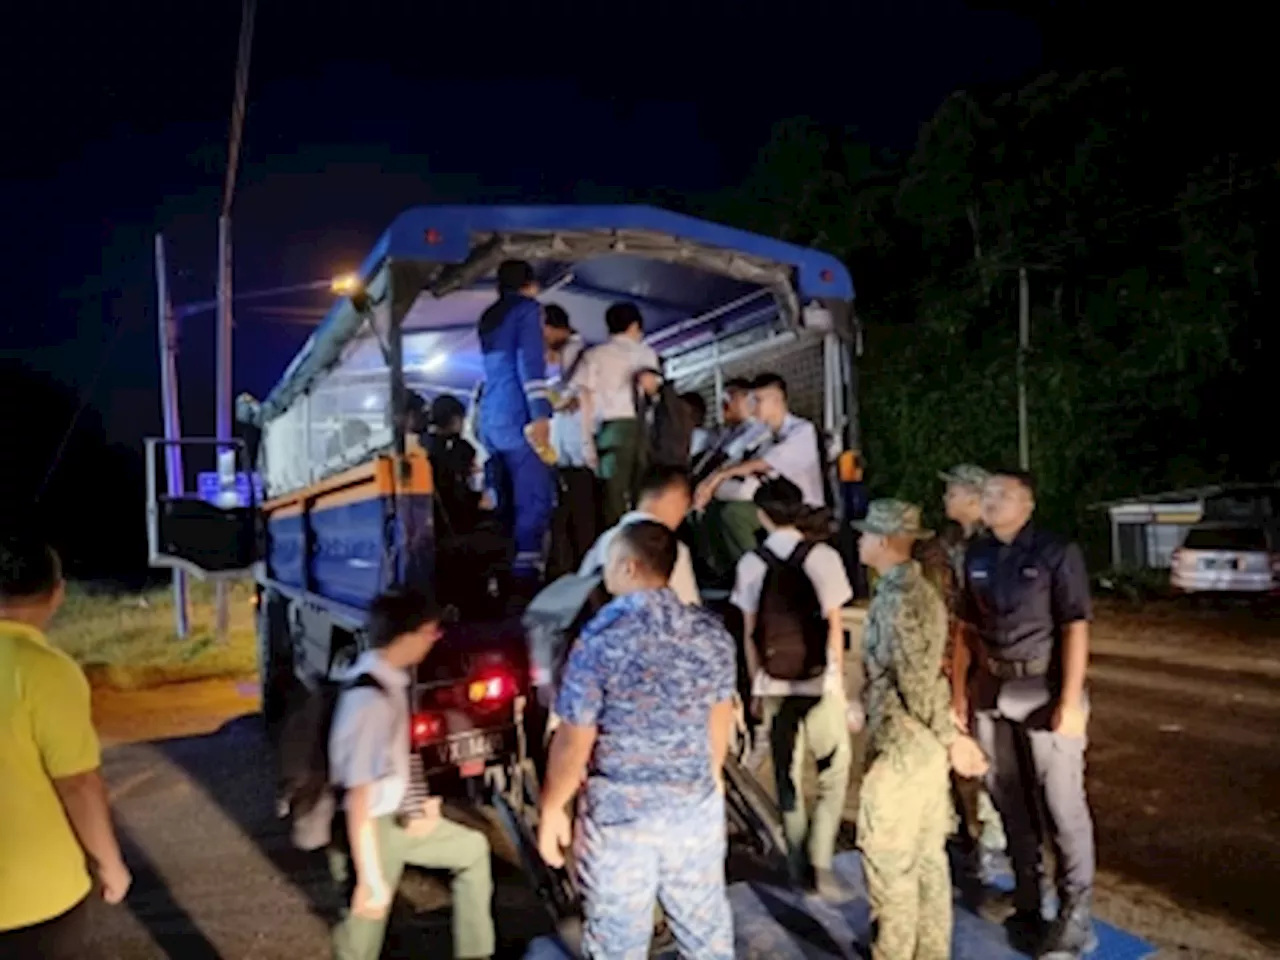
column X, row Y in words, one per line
column 892, row 518
column 966, row 475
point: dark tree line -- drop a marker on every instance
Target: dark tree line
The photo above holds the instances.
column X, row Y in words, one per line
column 1153, row 350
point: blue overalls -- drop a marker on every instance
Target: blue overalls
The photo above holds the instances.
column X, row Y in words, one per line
column 515, row 393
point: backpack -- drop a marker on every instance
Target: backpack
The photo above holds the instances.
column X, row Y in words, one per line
column 553, row 620
column 305, row 791
column 670, row 424
column 791, row 631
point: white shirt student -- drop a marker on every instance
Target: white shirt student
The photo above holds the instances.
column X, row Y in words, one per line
column 826, row 572
column 605, row 379
column 792, row 453
column 664, row 498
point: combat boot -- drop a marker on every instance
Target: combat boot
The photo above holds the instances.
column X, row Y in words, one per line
column 1071, row 935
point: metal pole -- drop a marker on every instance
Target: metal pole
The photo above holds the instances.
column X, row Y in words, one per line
column 221, row 616
column 1024, row 345
column 172, row 424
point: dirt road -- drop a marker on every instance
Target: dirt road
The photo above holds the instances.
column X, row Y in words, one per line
column 1184, row 780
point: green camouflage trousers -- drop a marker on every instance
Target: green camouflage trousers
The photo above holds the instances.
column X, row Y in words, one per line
column 903, row 819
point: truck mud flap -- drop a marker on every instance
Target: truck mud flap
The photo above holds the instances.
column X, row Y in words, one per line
column 749, row 807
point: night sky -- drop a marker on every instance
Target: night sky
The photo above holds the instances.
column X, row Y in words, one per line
column 118, row 128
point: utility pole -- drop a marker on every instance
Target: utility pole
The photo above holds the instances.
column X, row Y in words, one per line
column 223, row 398
column 221, row 615
column 1024, row 345
column 174, row 479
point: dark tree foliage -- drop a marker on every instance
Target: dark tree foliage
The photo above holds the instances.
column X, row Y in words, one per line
column 1153, row 356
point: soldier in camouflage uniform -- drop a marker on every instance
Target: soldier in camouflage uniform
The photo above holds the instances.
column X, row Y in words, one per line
column 904, row 809
column 980, row 822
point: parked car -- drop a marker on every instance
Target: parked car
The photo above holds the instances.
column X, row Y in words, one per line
column 1226, row 558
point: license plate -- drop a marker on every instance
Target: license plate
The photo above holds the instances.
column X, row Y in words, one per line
column 465, row 749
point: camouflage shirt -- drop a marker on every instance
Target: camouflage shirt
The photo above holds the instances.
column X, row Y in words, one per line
column 907, row 698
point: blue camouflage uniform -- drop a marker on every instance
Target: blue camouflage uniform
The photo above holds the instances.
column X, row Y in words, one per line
column 646, row 672
column 515, row 394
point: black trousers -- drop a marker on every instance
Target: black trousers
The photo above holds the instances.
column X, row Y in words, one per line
column 576, row 521
column 60, row 938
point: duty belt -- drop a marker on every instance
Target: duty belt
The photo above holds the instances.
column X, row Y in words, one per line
column 1017, row 669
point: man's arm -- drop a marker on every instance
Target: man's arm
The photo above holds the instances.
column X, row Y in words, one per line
column 531, row 360
column 721, row 729
column 62, row 725
column 919, row 635
column 1072, row 611
column 1075, row 661
column 835, row 641
column 749, row 651
column 84, row 797
column 567, row 760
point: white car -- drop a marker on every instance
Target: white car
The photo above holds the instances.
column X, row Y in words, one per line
column 1226, row 558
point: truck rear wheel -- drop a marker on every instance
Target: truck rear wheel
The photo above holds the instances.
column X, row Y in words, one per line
column 275, row 658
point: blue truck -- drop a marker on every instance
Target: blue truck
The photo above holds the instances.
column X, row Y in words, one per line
column 346, row 504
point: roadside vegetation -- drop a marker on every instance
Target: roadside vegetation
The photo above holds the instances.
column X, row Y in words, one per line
column 127, row 641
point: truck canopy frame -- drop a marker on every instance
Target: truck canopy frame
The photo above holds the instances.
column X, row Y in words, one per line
column 430, row 275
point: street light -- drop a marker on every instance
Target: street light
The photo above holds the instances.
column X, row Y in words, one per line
column 348, row 285
column 344, row 285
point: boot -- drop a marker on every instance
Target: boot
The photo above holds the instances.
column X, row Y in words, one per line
column 1025, row 929
column 1071, row 935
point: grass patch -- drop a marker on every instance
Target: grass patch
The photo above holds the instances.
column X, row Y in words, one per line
column 127, row 640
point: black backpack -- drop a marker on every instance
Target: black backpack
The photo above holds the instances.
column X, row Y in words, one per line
column 671, row 426
column 791, row 630
column 303, row 754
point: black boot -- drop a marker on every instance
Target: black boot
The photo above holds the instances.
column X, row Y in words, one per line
column 1025, row 929
column 1071, row 935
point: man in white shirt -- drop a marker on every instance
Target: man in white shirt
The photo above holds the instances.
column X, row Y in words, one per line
column 613, row 437
column 574, row 525
column 664, row 497
column 791, row 452
column 800, row 715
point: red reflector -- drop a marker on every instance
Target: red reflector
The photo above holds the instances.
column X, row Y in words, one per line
column 433, row 236
column 826, row 276
column 472, row 768
column 424, row 728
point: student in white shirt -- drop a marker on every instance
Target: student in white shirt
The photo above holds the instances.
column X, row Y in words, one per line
column 575, row 523
column 613, row 437
column 664, row 497
column 791, row 452
column 801, row 716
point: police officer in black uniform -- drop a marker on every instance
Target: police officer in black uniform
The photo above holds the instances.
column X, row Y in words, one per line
column 1027, row 596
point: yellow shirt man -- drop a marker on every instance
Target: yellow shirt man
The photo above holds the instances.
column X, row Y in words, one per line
column 46, row 733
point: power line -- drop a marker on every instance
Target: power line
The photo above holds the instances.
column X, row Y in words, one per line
column 85, row 397
column 238, row 104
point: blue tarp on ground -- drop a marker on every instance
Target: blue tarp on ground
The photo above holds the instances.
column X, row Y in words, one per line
column 772, row 923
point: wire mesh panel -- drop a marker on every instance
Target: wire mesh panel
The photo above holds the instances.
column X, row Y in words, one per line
column 797, row 360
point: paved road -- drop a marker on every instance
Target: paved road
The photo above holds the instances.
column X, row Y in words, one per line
column 215, row 873
column 1184, row 778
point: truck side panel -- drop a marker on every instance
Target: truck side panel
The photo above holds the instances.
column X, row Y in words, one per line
column 349, row 561
column 286, row 545
column 347, row 538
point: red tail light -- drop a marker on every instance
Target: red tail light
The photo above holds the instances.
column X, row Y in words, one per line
column 491, row 688
column 425, row 728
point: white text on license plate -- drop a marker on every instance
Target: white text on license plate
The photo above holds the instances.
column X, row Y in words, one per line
column 470, row 748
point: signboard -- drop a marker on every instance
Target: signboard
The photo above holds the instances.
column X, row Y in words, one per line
column 207, row 486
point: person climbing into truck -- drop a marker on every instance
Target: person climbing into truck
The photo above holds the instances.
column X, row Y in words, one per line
column 390, row 820
column 515, row 417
